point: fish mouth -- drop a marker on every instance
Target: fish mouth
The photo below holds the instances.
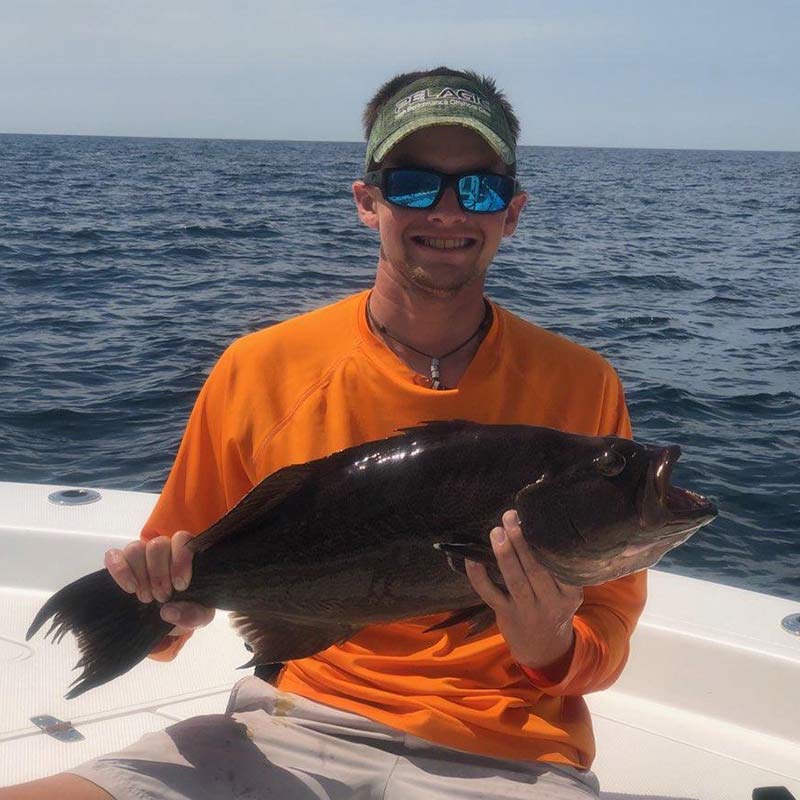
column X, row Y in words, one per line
column 669, row 508
column 669, row 515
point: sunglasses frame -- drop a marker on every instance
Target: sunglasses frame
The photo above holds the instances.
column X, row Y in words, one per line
column 380, row 178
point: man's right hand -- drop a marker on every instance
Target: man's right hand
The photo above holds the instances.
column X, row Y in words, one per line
column 152, row 569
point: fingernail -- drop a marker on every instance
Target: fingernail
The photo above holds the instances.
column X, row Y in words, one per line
column 498, row 535
column 180, row 584
column 169, row 614
column 146, row 597
column 112, row 557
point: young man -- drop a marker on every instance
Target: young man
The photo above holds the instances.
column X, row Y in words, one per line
column 396, row 711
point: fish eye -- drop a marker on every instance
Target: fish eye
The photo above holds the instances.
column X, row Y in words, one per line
column 610, row 463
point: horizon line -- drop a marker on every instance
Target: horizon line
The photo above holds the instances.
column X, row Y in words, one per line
column 362, row 143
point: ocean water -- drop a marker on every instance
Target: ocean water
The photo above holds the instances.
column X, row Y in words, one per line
column 127, row 265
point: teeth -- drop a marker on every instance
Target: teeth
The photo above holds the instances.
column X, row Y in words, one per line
column 444, row 244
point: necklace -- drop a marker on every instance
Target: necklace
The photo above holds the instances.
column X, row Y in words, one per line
column 435, row 360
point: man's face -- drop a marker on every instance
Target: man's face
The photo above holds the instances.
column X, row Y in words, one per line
column 440, row 250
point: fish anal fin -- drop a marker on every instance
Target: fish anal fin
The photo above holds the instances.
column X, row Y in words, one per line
column 275, row 639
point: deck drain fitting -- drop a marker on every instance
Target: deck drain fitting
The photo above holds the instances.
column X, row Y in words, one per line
column 791, row 624
column 58, row 729
column 74, row 497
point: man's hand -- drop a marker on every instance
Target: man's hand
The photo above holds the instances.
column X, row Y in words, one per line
column 535, row 616
column 152, row 570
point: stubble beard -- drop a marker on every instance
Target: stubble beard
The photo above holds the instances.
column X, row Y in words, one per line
column 423, row 279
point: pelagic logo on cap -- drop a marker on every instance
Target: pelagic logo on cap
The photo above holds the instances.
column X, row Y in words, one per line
column 440, row 98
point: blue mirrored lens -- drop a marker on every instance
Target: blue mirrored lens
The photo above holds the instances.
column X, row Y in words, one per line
column 478, row 192
column 485, row 192
column 412, row 188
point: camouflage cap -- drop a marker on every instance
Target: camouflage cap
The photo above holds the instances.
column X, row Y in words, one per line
column 439, row 100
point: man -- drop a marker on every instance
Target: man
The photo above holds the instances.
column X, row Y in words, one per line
column 396, row 711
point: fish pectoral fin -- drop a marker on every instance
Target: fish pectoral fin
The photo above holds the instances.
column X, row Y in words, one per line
column 480, row 617
column 456, row 552
column 276, row 639
column 482, row 553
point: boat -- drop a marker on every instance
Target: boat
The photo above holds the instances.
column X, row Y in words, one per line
column 708, row 706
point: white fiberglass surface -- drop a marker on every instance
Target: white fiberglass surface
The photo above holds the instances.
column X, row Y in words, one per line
column 42, row 547
column 35, row 675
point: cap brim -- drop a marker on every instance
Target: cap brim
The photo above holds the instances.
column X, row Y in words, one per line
column 497, row 144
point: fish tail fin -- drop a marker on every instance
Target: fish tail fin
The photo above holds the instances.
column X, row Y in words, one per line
column 114, row 630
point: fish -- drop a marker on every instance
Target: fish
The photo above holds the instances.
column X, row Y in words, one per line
column 380, row 532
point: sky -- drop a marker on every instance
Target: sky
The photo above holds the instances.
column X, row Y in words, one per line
column 706, row 74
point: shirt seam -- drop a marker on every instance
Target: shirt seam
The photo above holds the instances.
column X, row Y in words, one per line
column 314, row 387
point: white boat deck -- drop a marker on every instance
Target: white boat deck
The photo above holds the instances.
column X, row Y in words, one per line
column 708, row 706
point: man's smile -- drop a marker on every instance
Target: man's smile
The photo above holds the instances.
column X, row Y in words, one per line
column 444, row 242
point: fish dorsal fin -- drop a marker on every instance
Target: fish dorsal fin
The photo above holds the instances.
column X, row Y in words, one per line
column 260, row 501
column 254, row 508
column 275, row 639
column 442, row 427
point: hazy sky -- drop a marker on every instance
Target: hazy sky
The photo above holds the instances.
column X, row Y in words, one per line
column 619, row 73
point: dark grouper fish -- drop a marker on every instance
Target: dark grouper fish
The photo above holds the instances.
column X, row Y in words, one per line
column 379, row 532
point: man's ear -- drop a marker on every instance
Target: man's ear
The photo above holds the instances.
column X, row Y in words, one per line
column 366, row 204
column 513, row 211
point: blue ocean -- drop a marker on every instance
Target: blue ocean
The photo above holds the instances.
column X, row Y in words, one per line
column 127, row 266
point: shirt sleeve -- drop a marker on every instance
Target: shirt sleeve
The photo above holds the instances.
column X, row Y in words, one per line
column 209, row 475
column 603, row 627
column 606, row 619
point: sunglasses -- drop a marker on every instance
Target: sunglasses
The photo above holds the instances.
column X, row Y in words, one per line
column 477, row 192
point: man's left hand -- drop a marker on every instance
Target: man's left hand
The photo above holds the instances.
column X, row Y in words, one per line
column 535, row 615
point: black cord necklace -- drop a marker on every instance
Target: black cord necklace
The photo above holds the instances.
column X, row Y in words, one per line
column 435, row 360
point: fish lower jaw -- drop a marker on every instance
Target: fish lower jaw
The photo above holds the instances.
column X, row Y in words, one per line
column 597, row 572
column 633, row 550
column 636, row 557
column 592, row 571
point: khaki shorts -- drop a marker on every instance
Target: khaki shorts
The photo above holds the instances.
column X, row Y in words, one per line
column 270, row 744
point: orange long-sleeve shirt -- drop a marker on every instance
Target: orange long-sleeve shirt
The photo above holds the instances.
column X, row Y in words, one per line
column 323, row 381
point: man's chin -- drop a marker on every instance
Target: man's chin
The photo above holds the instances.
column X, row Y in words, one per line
column 444, row 282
